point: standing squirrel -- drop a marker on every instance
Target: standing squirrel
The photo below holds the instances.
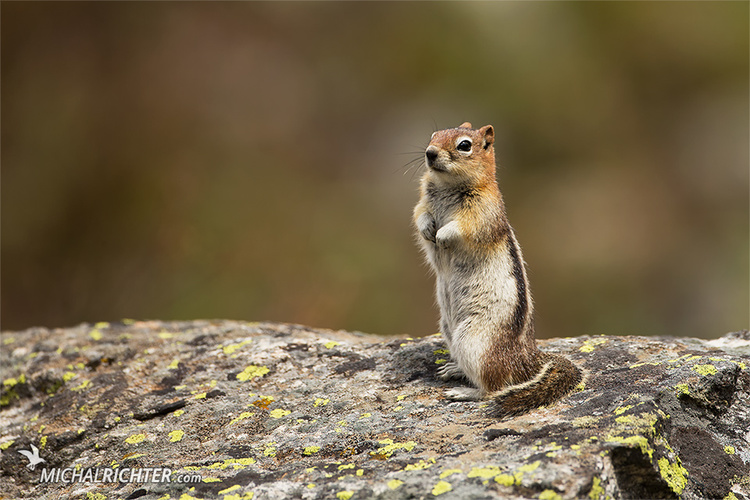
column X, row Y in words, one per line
column 486, row 313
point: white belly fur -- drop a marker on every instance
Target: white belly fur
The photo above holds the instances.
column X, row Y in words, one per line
column 477, row 297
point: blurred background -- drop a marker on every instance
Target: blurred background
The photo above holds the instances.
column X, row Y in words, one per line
column 250, row 160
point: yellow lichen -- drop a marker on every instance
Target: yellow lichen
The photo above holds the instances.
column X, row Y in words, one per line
column 421, row 465
column 344, row 495
column 331, row 344
column 135, row 438
column 705, row 370
column 505, row 479
column 95, row 334
column 586, row 421
column 674, row 474
column 682, row 389
column 590, row 345
column 279, row 413
column 549, row 495
column 394, row 484
column 321, row 402
column 231, row 348
column 243, row 416
column 450, row 472
column 597, row 492
column 83, row 385
column 176, row 435
column 391, row 447
column 729, row 450
column 484, row 472
column 270, row 450
column 441, row 487
column 252, row 372
column 311, row 450
column 230, row 489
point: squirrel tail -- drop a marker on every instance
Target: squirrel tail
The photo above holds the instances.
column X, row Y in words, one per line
column 557, row 378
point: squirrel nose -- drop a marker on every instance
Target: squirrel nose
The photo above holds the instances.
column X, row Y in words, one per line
column 431, row 154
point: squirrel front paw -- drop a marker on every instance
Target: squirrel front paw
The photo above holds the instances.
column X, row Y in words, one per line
column 427, row 227
column 448, row 235
column 450, row 371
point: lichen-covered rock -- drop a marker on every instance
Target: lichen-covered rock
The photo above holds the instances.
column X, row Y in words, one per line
column 236, row 410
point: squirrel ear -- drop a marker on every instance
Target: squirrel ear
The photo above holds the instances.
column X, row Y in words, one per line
column 489, row 135
column 465, row 125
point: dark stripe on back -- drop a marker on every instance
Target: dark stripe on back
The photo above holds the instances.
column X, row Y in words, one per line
column 519, row 315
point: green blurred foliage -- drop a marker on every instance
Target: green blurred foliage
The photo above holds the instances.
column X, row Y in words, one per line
column 250, row 160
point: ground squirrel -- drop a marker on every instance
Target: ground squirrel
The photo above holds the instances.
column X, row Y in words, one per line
column 486, row 313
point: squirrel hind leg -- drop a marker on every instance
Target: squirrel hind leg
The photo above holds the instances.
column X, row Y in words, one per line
column 557, row 378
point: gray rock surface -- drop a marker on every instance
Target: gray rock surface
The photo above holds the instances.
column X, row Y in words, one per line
column 266, row 410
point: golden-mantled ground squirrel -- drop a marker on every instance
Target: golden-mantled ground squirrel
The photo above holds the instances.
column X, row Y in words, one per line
column 486, row 313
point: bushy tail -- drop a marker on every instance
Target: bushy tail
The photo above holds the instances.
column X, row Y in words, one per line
column 557, row 378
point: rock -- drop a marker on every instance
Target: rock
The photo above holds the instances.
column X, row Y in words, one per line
column 265, row 410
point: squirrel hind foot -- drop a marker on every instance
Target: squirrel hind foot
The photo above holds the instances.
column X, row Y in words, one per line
column 464, row 394
column 557, row 378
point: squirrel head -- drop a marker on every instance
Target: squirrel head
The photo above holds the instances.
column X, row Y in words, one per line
column 462, row 154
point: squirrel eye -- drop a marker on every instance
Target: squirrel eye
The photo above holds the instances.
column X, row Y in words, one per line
column 464, row 145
